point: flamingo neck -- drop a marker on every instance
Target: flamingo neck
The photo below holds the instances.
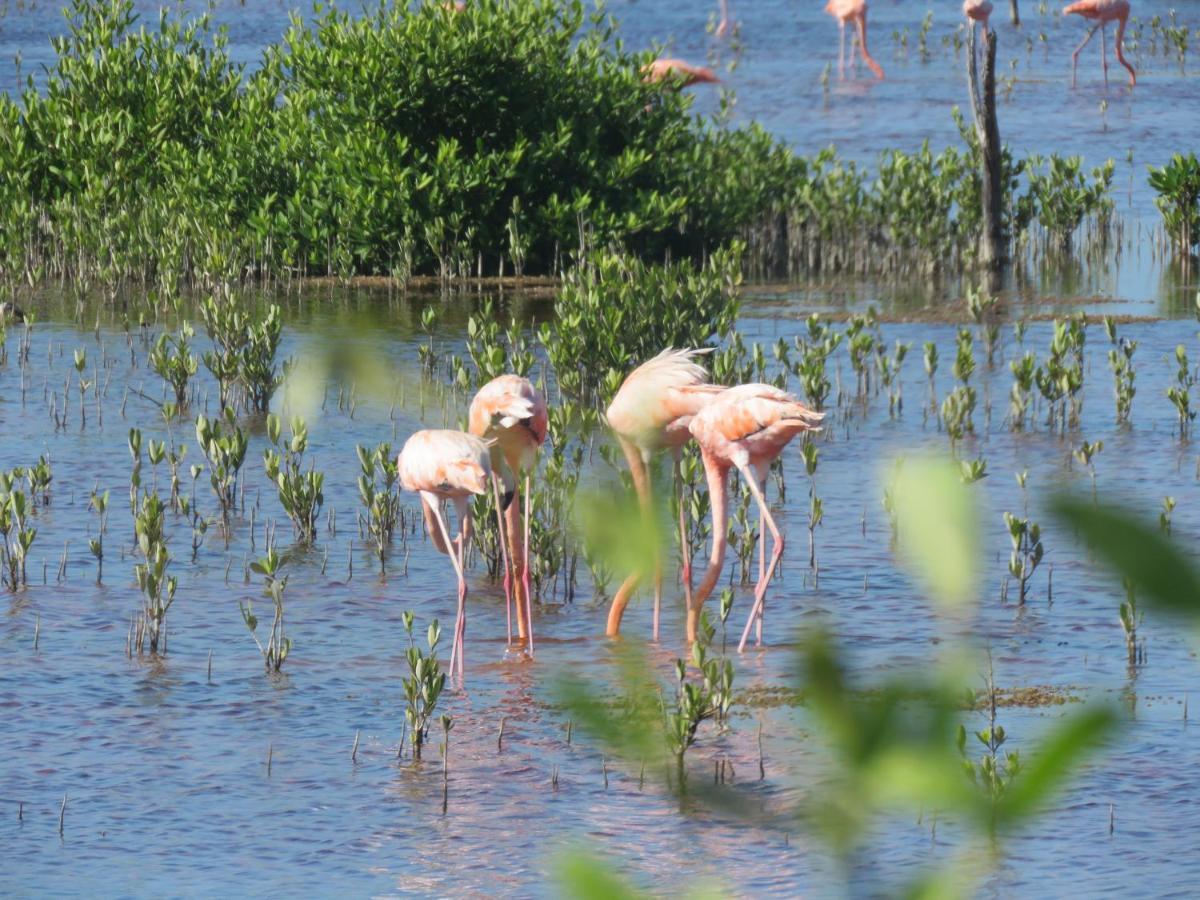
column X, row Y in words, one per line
column 862, row 41
column 1121, row 54
column 716, row 474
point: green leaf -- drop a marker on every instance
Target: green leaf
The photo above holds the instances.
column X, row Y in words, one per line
column 584, row 877
column 938, row 527
column 1137, row 551
column 1058, row 758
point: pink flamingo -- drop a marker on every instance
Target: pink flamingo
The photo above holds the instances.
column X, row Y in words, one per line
column 511, row 414
column 978, row 11
column 651, row 412
column 724, row 27
column 852, row 11
column 1102, row 12
column 677, row 73
column 454, row 466
column 745, row 428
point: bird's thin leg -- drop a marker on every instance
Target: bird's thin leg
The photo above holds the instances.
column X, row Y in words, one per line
column 464, row 541
column 1104, row 50
column 683, row 542
column 525, row 574
column 841, row 50
column 503, row 555
column 433, row 504
column 762, row 566
column 1078, row 50
column 853, row 45
column 760, row 590
column 641, row 486
column 648, row 512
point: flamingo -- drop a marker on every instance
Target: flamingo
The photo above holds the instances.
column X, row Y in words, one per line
column 510, row 411
column 677, row 73
column 651, row 412
column 745, row 428
column 852, row 11
column 978, row 11
column 1102, row 12
column 450, row 465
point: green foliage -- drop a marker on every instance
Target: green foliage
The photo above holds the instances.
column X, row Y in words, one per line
column 278, row 645
column 424, row 683
column 380, row 499
column 616, row 309
column 300, row 493
column 1177, row 185
column 157, row 587
column 1064, row 195
column 1027, row 550
column 225, row 449
column 172, row 359
column 16, row 534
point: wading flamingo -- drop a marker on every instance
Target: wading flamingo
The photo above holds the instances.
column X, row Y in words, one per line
column 745, row 428
column 677, row 73
column 852, row 11
column 724, row 27
column 1102, row 12
column 978, row 11
column 450, row 465
column 651, row 412
column 510, row 412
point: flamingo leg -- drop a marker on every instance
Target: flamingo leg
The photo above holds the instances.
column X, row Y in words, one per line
column 683, row 541
column 525, row 574
column 760, row 589
column 1078, row 50
column 841, row 50
column 457, row 561
column 1104, row 50
column 508, row 599
column 464, row 542
column 723, row 27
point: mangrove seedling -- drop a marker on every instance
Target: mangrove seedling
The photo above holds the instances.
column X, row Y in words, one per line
column 424, row 683
column 1027, row 551
column 1120, row 360
column 278, row 645
column 173, row 361
column 157, row 587
column 225, row 449
column 1180, row 393
column 380, row 499
column 300, row 493
column 99, row 503
column 1131, row 618
column 1164, row 517
column 697, row 701
column 1086, row 456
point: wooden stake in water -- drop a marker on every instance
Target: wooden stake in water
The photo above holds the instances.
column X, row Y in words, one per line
column 500, row 739
column 762, row 771
column 604, row 769
column 1112, row 824
column 37, row 631
column 270, row 756
column 62, row 814
column 210, row 667
column 354, row 749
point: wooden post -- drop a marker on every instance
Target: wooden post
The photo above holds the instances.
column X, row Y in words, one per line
column 987, row 133
column 1016, row 13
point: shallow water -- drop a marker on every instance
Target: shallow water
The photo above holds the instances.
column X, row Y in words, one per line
column 166, row 769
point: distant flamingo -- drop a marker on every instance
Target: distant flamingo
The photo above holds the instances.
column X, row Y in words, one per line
column 724, row 27
column 449, row 465
column 745, row 428
column 510, row 411
column 677, row 73
column 651, row 412
column 852, row 11
column 978, row 11
column 1102, row 12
